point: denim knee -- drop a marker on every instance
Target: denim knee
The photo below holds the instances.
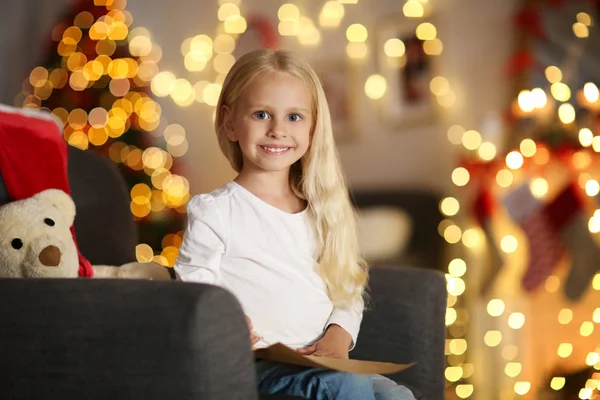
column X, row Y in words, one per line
column 343, row 385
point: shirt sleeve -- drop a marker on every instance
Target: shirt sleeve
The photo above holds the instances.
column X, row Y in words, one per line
column 203, row 243
column 349, row 319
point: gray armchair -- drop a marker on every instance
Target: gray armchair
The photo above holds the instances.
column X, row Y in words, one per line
column 86, row 338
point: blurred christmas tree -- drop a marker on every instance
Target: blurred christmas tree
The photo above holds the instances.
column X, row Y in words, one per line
column 96, row 79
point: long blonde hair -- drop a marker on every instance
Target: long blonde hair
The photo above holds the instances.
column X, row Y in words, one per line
column 317, row 177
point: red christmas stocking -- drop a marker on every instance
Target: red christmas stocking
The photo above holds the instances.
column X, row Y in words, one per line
column 545, row 249
column 33, row 157
column 483, row 210
column 567, row 216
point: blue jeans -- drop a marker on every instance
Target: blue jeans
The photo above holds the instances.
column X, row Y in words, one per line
column 321, row 384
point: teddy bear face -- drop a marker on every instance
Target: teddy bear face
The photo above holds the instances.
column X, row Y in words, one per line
column 35, row 238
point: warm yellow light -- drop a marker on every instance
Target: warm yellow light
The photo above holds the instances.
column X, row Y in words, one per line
column 143, row 253
column 596, row 282
column 592, row 358
column 566, row 113
column 553, row 74
column 211, row 93
column 464, row 391
column 539, row 98
column 357, row 33
column 516, row 320
column 560, row 91
column 584, row 18
column 565, row 350
column 289, row 28
column 496, row 307
column 526, row 101
column 182, row 92
column 457, row 346
column 451, row 301
column 456, row 286
column 528, row 147
column 439, row 86
column 161, row 84
column 449, row 206
column 492, row 338
column 195, row 61
column 375, row 87
column 514, row 160
column 522, row 388
column 447, row 100
column 592, row 187
column 308, row 35
column 288, row 12
column 471, row 238
column 453, row 374
column 557, row 383
column 457, row 267
column 452, row 234
column 509, row 244
column 487, row 151
column 596, row 144
column 471, row 139
column 594, row 224
column 455, row 133
column 586, row 329
column 235, row 24
column 223, row 63
column 580, row 30
column 394, row 48
column 565, row 316
column 596, row 316
column 413, row 9
column 357, row 50
column 451, row 316
column 426, row 31
column 591, row 93
column 433, row 47
column 331, row 14
column 513, row 369
column 586, row 137
column 460, row 176
column 504, row 178
column 539, row 187
column 224, row 43
column 228, row 10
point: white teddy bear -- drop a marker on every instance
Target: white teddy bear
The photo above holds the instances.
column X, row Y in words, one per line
column 36, row 237
column 36, row 242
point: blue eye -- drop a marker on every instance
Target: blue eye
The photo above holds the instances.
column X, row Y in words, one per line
column 261, row 115
column 295, row 117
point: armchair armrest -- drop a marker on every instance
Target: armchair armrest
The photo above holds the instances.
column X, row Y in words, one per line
column 404, row 323
column 123, row 339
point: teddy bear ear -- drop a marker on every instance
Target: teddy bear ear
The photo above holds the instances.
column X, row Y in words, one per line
column 61, row 201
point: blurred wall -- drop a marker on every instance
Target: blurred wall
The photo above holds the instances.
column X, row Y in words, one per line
column 477, row 41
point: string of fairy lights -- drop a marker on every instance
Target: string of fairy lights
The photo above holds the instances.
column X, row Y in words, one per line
column 540, row 103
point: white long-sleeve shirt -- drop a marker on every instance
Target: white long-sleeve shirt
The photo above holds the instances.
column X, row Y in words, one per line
column 266, row 258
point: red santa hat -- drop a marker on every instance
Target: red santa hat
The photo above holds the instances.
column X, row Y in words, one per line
column 33, row 157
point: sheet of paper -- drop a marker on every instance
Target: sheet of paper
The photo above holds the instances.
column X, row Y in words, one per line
column 283, row 354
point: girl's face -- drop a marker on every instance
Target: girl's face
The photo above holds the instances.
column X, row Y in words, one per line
column 272, row 122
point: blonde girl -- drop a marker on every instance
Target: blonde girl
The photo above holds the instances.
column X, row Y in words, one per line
column 281, row 236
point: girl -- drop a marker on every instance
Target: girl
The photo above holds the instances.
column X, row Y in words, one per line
column 281, row 236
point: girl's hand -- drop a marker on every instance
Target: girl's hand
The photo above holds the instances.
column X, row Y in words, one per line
column 253, row 337
column 335, row 344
